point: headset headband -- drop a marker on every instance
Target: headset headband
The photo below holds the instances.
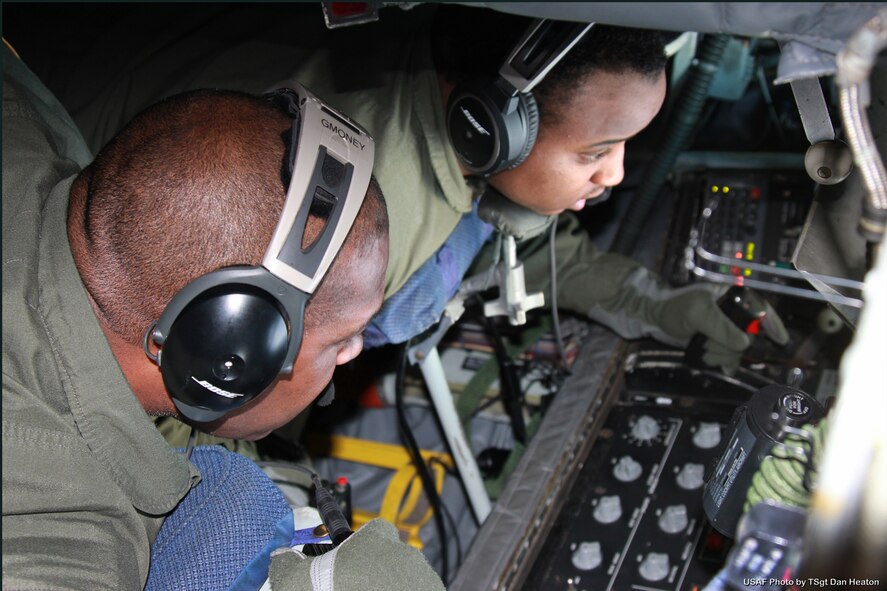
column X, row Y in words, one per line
column 330, row 177
column 544, row 44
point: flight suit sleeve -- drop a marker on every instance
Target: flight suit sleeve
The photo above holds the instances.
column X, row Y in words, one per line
column 62, row 529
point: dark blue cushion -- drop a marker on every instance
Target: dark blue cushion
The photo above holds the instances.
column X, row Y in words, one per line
column 219, row 527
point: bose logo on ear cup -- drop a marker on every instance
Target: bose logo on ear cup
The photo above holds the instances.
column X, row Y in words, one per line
column 226, row 336
column 473, row 121
column 216, row 390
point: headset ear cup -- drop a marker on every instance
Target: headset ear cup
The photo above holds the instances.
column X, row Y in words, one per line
column 474, row 127
column 485, row 136
column 530, row 108
column 224, row 349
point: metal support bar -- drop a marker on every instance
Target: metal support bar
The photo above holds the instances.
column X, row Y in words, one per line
column 442, row 398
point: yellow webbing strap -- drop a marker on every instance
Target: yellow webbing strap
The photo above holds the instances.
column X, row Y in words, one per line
column 403, row 503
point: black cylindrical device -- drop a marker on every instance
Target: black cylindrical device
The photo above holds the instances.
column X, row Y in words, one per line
column 758, row 425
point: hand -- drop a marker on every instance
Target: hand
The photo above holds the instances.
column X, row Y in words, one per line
column 643, row 305
column 723, row 318
column 372, row 559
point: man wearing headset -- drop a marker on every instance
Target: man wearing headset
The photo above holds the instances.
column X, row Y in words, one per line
column 93, row 251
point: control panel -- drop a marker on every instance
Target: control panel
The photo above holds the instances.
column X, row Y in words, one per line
column 634, row 519
column 741, row 219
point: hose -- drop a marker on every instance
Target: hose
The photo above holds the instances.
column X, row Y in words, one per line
column 785, row 475
column 855, row 62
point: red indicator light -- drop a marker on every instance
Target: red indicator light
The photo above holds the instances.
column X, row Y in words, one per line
column 738, row 254
column 341, row 481
column 755, row 193
column 754, row 327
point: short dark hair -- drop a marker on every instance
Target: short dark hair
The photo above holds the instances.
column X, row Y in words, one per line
column 191, row 185
column 471, row 43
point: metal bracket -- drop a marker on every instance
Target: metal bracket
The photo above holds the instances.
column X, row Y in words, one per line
column 814, row 113
column 513, row 300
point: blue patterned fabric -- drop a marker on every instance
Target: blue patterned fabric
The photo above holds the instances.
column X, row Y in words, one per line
column 217, row 529
column 420, row 302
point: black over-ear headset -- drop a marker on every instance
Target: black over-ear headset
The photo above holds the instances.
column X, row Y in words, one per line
column 492, row 125
column 226, row 336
